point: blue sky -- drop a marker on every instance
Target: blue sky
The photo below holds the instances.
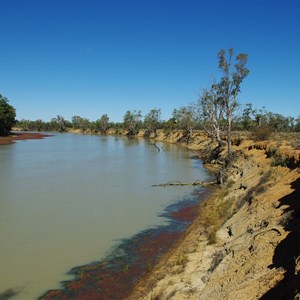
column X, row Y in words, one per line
column 88, row 58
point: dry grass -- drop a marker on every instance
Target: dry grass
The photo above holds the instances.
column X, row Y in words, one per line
column 215, row 213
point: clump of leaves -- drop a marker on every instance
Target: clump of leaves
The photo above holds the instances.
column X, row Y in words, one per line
column 280, row 160
column 271, row 152
column 262, row 133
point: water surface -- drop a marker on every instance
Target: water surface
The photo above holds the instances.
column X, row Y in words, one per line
column 66, row 200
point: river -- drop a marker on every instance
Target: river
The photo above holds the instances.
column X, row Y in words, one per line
column 67, row 200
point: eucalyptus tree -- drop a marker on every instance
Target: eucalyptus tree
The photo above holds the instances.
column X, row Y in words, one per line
column 39, row 125
column 233, row 71
column 297, row 124
column 80, row 123
column 169, row 125
column 23, row 124
column 248, row 117
column 152, row 121
column 261, row 117
column 185, row 119
column 132, row 121
column 279, row 122
column 103, row 124
column 59, row 124
column 76, row 120
column 210, row 112
column 7, row 116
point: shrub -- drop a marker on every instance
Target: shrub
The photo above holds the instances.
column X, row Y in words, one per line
column 271, row 152
column 280, row 160
column 262, row 133
column 217, row 213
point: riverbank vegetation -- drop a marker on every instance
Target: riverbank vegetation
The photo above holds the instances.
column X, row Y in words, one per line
column 254, row 215
column 7, row 116
column 217, row 112
column 251, row 221
column 247, row 118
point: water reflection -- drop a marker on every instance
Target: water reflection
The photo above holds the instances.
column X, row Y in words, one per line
column 131, row 141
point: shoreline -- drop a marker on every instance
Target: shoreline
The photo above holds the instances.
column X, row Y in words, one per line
column 22, row 136
column 245, row 240
column 174, row 260
column 120, row 281
column 183, row 213
column 252, row 252
column 115, row 276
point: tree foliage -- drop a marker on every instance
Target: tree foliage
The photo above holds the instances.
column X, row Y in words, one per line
column 169, row 125
column 185, row 118
column 211, row 112
column 132, row 121
column 233, row 71
column 103, row 124
column 7, row 116
column 152, row 121
column 59, row 123
column 217, row 111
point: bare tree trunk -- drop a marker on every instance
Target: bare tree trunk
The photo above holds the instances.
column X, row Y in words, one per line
column 229, row 143
column 218, row 136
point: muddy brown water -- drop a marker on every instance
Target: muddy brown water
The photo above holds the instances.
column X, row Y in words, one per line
column 71, row 200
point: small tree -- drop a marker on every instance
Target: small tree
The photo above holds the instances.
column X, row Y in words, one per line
column 233, row 74
column 152, row 121
column 59, row 124
column 185, row 119
column 261, row 117
column 132, row 121
column 297, row 124
column 248, row 116
column 39, row 125
column 76, row 121
column 279, row 122
column 79, row 123
column 7, row 116
column 169, row 125
column 211, row 113
column 103, row 124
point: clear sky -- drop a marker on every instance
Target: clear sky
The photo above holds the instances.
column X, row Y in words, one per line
column 94, row 57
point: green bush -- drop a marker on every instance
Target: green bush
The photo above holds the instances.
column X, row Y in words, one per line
column 7, row 116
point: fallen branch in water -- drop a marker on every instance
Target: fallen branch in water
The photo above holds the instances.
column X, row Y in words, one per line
column 178, row 183
column 158, row 149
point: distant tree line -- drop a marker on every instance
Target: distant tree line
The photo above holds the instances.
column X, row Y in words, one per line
column 216, row 111
column 185, row 118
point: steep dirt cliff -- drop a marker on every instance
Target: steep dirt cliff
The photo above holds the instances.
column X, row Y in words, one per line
column 245, row 243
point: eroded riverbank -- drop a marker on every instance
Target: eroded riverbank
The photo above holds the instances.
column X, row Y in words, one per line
column 243, row 243
column 253, row 252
